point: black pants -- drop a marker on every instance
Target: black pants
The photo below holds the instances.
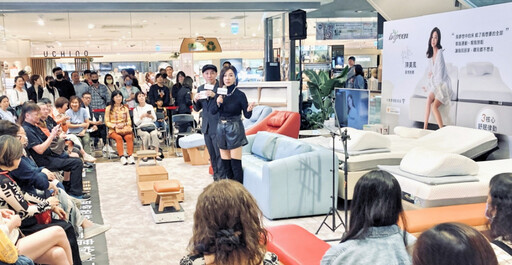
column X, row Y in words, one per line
column 214, row 152
column 70, row 233
column 74, row 165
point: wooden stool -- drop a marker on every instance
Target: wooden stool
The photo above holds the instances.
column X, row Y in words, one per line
column 146, row 154
column 168, row 194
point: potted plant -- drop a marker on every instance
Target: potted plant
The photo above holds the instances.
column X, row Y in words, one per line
column 321, row 88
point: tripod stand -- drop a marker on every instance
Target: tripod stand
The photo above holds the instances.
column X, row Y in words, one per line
column 344, row 138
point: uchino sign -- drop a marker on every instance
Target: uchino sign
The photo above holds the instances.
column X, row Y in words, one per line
column 397, row 36
column 65, row 53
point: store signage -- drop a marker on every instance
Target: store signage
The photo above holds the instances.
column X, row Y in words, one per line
column 200, row 44
column 65, row 53
column 346, row 30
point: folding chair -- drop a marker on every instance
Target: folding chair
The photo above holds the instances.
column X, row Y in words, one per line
column 177, row 121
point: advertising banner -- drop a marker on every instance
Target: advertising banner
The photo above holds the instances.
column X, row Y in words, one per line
column 449, row 68
column 346, row 30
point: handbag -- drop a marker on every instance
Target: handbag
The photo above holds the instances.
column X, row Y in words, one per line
column 44, row 218
column 148, row 128
column 8, row 252
column 123, row 131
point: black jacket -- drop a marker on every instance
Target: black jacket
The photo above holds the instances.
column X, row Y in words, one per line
column 209, row 123
column 153, row 95
column 183, row 100
column 33, row 94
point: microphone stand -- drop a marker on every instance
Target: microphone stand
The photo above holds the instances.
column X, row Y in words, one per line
column 344, row 138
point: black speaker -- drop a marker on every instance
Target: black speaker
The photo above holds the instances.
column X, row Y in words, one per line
column 272, row 71
column 297, row 25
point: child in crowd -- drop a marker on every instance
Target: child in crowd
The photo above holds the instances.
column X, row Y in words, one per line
column 161, row 115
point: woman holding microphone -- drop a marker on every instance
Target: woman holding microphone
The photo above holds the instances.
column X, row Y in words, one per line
column 231, row 102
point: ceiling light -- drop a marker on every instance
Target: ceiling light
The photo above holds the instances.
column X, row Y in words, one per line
column 49, row 33
column 222, row 25
column 58, row 43
column 197, row 34
column 90, row 26
column 144, row 21
column 359, row 11
column 254, row 34
column 40, row 22
column 87, row 42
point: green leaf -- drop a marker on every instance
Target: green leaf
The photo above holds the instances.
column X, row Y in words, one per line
column 324, row 76
column 317, row 99
column 313, row 76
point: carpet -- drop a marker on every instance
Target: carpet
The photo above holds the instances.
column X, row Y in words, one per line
column 97, row 245
column 135, row 239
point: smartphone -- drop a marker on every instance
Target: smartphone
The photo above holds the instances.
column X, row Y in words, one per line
column 149, row 112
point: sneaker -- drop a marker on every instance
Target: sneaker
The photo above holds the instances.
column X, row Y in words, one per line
column 84, row 255
column 131, row 160
column 107, row 148
column 123, row 160
column 95, row 230
column 81, row 197
column 89, row 158
column 158, row 158
column 144, row 159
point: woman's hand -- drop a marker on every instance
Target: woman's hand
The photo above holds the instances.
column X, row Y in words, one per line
column 48, row 174
column 120, row 125
column 6, row 213
column 14, row 221
column 250, row 107
column 53, row 201
column 82, row 133
column 220, row 100
column 60, row 212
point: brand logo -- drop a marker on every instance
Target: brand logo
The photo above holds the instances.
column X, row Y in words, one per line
column 397, row 36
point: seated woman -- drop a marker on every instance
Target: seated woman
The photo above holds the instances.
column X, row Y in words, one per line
column 499, row 212
column 11, row 151
column 453, row 243
column 144, row 118
column 373, row 236
column 48, row 246
column 78, row 123
column 5, row 114
column 31, row 178
column 117, row 119
column 228, row 228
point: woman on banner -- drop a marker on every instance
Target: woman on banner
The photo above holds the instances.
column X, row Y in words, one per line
column 438, row 85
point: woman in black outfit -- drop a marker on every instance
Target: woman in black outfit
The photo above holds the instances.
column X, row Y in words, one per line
column 180, row 77
column 230, row 131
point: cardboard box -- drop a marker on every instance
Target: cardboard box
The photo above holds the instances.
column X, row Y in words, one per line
column 151, row 173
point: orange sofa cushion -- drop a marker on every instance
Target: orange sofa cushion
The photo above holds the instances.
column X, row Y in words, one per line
column 424, row 219
column 294, row 245
column 278, row 119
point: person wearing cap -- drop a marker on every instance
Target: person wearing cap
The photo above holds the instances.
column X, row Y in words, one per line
column 65, row 88
column 204, row 99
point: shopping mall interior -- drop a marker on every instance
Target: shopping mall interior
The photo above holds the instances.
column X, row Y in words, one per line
column 131, row 115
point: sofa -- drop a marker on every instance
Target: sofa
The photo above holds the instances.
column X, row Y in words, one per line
column 282, row 122
column 258, row 114
column 287, row 177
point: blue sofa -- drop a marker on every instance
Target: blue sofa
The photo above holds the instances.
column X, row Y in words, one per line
column 258, row 114
column 288, row 177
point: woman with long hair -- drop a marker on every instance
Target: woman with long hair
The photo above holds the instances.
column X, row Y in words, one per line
column 109, row 82
column 128, row 92
column 439, row 83
column 117, row 119
column 230, row 130
column 35, row 91
column 228, row 228
column 144, row 118
column 148, row 82
column 499, row 213
column 180, row 77
column 373, row 236
column 453, row 243
column 18, row 95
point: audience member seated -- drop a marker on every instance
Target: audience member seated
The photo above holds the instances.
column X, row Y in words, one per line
column 5, row 114
column 499, row 212
column 59, row 112
column 117, row 119
column 96, row 125
column 373, row 236
column 48, row 246
column 26, row 205
column 453, row 243
column 39, row 148
column 78, row 123
column 31, row 178
column 144, row 118
column 228, row 228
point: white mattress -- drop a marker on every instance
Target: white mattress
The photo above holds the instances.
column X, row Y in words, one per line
column 451, row 139
column 425, row 195
column 484, row 87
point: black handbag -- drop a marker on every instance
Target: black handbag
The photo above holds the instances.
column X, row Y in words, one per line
column 148, row 128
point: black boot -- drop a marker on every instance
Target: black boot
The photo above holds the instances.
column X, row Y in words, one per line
column 238, row 172
column 227, row 172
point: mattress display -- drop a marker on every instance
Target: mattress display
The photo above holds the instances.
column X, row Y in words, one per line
column 451, row 139
column 425, row 195
column 482, row 82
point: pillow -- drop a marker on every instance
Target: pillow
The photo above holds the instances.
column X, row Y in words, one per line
column 410, row 132
column 263, row 145
column 286, row 147
column 278, row 119
column 479, row 68
column 256, row 112
column 364, row 140
column 430, row 163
